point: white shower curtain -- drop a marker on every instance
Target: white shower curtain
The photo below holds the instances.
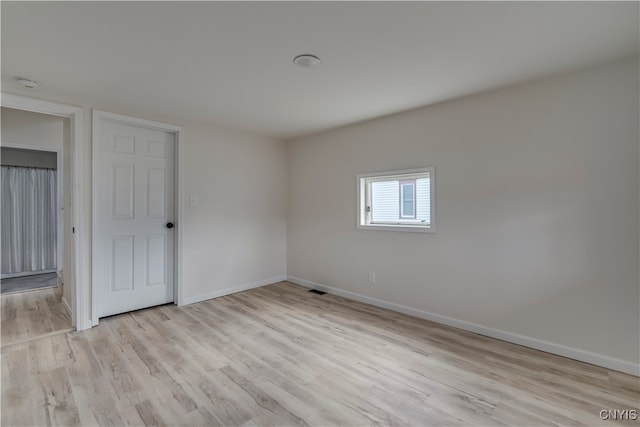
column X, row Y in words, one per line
column 29, row 222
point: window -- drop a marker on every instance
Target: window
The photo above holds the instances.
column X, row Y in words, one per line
column 408, row 199
column 397, row 200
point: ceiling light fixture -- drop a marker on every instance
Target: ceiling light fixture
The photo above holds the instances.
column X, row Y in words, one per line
column 306, row 60
column 28, row 83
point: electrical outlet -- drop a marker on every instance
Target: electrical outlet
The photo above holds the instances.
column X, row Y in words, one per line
column 372, row 277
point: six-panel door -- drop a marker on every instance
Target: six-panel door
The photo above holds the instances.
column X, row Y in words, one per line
column 134, row 202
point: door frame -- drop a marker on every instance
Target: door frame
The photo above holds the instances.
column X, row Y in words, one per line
column 80, row 304
column 59, row 196
column 100, row 115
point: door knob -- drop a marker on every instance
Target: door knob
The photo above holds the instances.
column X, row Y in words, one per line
column 169, row 225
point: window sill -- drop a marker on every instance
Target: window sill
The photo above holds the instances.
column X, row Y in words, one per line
column 400, row 227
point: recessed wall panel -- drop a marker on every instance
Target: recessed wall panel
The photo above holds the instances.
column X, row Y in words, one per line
column 122, row 265
column 156, row 148
column 122, row 194
column 124, row 144
column 155, row 259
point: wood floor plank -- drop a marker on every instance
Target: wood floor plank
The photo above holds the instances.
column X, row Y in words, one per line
column 32, row 314
column 20, row 391
column 279, row 355
column 59, row 402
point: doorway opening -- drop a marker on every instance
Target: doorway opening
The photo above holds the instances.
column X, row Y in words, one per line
column 76, row 274
column 34, row 223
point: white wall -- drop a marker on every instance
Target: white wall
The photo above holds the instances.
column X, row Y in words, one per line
column 537, row 201
column 235, row 237
column 28, row 129
column 34, row 129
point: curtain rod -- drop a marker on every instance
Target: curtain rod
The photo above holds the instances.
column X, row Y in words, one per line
column 28, row 167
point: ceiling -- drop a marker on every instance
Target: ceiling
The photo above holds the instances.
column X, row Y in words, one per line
column 230, row 63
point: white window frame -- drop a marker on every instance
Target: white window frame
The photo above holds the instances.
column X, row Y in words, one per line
column 364, row 180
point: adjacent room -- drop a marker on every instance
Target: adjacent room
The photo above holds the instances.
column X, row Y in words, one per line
column 320, row 213
column 34, row 223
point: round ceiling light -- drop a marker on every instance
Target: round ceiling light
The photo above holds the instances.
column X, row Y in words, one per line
column 28, row 83
column 306, row 60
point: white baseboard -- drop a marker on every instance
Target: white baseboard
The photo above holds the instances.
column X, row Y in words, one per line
column 66, row 306
column 232, row 290
column 546, row 346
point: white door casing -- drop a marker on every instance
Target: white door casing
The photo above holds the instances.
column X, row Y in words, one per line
column 134, row 182
column 78, row 276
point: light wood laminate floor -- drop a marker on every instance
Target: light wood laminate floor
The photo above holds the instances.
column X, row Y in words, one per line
column 31, row 314
column 279, row 355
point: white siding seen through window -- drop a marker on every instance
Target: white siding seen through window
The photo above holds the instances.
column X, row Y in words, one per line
column 399, row 200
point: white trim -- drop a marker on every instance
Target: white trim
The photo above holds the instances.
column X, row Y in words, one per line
column 59, row 194
column 98, row 116
column 178, row 188
column 134, row 121
column 80, row 304
column 546, row 346
column 65, row 305
column 233, row 290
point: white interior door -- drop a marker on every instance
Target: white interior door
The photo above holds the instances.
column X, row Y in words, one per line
column 134, row 204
